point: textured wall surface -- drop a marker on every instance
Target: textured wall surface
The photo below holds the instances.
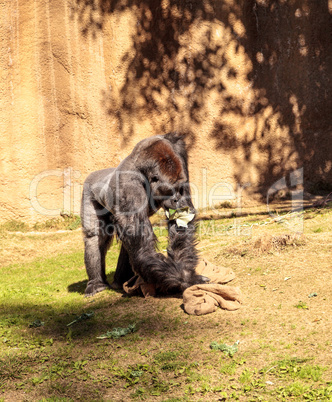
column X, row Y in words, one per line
column 81, row 81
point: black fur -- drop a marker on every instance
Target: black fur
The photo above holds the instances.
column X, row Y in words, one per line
column 119, row 202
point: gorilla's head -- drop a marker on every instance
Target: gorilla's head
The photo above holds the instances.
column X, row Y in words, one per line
column 166, row 176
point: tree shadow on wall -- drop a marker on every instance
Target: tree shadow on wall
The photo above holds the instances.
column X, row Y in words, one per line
column 244, row 69
column 164, row 75
column 290, row 47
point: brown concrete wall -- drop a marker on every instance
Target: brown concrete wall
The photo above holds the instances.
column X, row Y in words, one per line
column 82, row 81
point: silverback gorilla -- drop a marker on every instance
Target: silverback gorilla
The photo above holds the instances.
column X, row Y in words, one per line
column 119, row 201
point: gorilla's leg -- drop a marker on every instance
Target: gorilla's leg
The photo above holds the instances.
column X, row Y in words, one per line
column 94, row 257
column 98, row 232
column 123, row 270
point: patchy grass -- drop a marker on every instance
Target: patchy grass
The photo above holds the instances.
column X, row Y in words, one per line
column 267, row 243
column 14, row 226
column 66, row 222
column 284, row 350
column 302, row 305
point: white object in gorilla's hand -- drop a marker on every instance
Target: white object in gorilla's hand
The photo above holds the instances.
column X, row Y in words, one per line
column 182, row 216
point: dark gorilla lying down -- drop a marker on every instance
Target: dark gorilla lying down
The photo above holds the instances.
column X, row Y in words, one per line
column 118, row 202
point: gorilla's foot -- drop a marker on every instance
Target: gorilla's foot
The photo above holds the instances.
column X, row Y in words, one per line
column 116, row 286
column 95, row 287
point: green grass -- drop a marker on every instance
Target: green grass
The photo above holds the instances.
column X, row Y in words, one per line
column 168, row 358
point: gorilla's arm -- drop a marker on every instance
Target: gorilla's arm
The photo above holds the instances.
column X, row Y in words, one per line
column 97, row 235
column 138, row 239
column 182, row 241
column 182, row 245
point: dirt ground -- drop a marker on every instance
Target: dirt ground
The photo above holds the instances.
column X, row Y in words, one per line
column 285, row 278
